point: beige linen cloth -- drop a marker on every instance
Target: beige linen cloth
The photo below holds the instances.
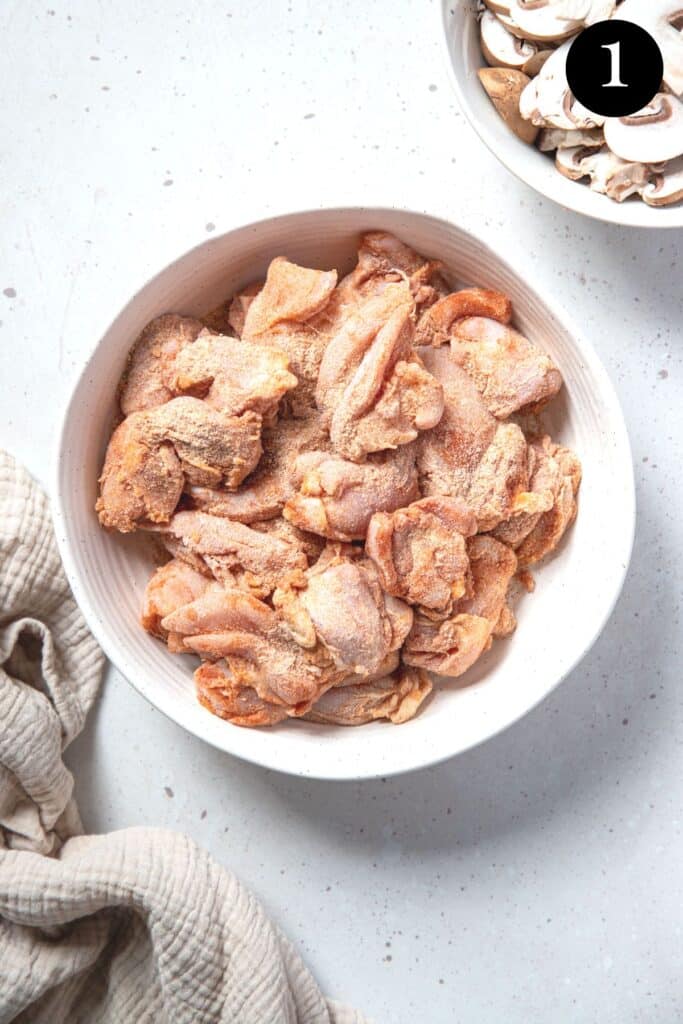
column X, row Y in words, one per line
column 133, row 927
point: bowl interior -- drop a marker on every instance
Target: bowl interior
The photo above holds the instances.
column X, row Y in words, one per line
column 576, row 589
column 461, row 31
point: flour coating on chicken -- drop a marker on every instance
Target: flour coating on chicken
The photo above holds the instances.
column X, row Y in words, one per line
column 342, row 473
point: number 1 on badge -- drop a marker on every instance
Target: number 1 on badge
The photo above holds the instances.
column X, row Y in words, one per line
column 615, row 62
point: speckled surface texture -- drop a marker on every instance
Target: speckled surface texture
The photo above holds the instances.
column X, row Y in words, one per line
column 538, row 877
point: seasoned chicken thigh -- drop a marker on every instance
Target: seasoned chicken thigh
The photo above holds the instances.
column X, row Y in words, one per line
column 492, row 566
column 282, row 316
column 395, row 697
column 383, row 259
column 258, row 647
column 220, row 693
column 263, row 494
column 510, row 372
column 232, row 375
column 470, row 455
column 141, row 480
column 420, row 551
column 555, row 481
column 151, row 455
column 451, row 646
column 290, row 295
column 171, row 587
column 436, row 325
column 373, row 391
column 552, row 524
column 545, row 480
column 232, row 552
column 337, row 498
column 341, row 604
column 214, row 448
column 147, row 379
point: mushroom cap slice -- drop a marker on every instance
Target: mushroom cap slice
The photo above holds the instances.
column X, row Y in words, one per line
column 570, row 161
column 498, row 6
column 599, row 10
column 545, row 21
column 666, row 186
column 609, row 174
column 511, row 25
column 534, row 64
column 548, row 101
column 652, row 135
column 504, row 87
column 623, row 178
column 500, row 47
column 659, row 18
column 551, row 139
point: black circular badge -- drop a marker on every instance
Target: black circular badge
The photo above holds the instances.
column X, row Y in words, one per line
column 614, row 68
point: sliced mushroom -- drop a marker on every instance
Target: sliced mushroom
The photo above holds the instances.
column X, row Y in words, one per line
column 535, row 63
column 548, row 101
column 608, row 174
column 498, row 6
column 570, row 161
column 621, row 178
column 504, row 87
column 666, row 186
column 652, row 135
column 599, row 10
column 640, row 154
column 551, row 139
column 661, row 18
column 511, row 25
column 548, row 21
column 500, row 47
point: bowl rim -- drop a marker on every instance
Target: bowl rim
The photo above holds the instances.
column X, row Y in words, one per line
column 607, row 212
column 352, row 772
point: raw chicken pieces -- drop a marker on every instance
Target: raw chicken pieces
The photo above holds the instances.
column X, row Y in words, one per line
column 227, row 622
column 171, row 587
column 337, row 499
column 233, row 553
column 450, row 646
column 470, row 455
column 420, row 550
column 224, row 695
column 153, row 454
column 341, row 605
column 284, row 315
column 383, row 258
column 343, row 475
column 233, row 376
column 397, row 697
column 436, row 325
column 373, row 391
column 556, row 476
column 265, row 492
column 147, row 379
column 509, row 371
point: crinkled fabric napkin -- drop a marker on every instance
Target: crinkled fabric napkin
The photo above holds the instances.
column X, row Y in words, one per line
column 133, row 927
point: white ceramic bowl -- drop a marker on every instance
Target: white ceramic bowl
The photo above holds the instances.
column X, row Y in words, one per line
column 557, row 624
column 461, row 34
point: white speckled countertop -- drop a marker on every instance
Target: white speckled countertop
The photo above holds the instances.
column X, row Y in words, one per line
column 537, row 878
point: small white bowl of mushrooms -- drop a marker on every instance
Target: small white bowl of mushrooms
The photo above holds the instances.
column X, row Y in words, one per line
column 508, row 64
